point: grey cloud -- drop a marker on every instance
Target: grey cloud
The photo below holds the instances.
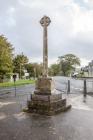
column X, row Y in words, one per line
column 26, row 34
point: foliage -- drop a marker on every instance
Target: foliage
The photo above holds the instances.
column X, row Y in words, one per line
column 30, row 69
column 68, row 63
column 17, row 83
column 19, row 63
column 6, row 56
column 80, row 75
column 34, row 69
column 54, row 69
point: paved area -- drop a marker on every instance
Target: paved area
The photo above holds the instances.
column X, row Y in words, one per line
column 24, row 89
column 75, row 124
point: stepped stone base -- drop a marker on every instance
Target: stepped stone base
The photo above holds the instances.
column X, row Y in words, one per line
column 46, row 100
column 47, row 105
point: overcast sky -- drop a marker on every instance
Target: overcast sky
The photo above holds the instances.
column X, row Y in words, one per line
column 70, row 31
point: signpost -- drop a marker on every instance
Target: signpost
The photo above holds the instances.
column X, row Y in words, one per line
column 14, row 77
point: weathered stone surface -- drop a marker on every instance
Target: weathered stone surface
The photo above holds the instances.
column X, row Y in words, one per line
column 45, row 21
column 47, row 105
column 51, row 98
column 45, row 99
column 47, row 108
column 44, row 86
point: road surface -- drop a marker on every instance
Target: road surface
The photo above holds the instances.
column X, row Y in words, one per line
column 75, row 124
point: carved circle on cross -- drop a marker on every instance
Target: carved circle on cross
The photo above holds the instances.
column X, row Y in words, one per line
column 45, row 21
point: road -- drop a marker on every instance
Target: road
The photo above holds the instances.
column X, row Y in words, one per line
column 60, row 84
column 75, row 124
column 24, row 89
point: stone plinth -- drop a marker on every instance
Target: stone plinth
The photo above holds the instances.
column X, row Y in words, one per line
column 44, row 86
column 46, row 100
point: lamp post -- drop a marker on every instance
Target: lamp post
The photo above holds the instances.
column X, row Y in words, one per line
column 14, row 77
column 20, row 71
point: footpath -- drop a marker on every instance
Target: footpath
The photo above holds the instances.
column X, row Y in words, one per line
column 75, row 124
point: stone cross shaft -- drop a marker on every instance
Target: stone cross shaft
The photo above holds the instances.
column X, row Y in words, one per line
column 45, row 21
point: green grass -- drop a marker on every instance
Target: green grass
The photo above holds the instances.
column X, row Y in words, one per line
column 17, row 83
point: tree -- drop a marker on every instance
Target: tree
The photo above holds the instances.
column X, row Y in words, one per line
column 34, row 69
column 30, row 69
column 68, row 63
column 54, row 69
column 19, row 63
column 6, row 56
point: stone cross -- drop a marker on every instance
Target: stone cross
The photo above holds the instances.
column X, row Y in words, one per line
column 45, row 21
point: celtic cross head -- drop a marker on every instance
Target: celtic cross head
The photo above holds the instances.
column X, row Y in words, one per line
column 45, row 21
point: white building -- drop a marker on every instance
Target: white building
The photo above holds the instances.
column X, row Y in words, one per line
column 89, row 69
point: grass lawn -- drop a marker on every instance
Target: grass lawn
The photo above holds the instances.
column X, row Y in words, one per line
column 17, row 83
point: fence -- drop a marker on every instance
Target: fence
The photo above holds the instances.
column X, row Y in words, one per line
column 89, row 86
column 75, row 86
column 22, row 94
column 69, row 86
